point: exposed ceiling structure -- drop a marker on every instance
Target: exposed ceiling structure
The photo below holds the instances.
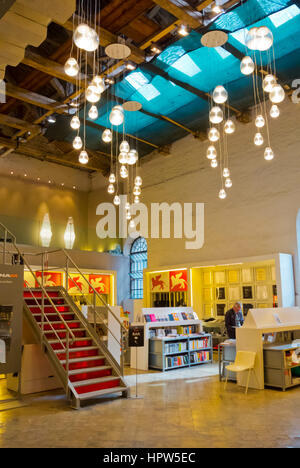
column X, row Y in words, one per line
column 173, row 86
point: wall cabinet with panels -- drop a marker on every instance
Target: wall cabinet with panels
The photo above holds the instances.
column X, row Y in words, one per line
column 173, row 353
column 279, row 370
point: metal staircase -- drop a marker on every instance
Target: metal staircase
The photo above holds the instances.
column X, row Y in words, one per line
column 82, row 362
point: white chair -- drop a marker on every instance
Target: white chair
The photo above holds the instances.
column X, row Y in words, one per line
column 244, row 361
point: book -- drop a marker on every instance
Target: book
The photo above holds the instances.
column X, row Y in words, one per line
column 147, row 318
column 152, row 318
column 171, row 317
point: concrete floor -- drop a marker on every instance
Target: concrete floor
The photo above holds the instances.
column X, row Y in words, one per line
column 183, row 408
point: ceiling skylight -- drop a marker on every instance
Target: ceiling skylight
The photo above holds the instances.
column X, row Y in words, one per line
column 137, row 80
column 283, row 16
column 222, row 52
column 187, row 66
column 240, row 35
column 149, row 92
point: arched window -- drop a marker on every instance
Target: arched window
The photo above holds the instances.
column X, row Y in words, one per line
column 138, row 261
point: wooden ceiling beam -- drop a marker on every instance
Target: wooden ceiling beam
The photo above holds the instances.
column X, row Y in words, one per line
column 35, row 99
column 204, row 4
column 183, row 11
column 50, row 67
column 13, row 122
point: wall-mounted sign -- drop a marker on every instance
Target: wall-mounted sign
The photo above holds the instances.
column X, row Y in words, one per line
column 178, row 280
column 11, row 316
column 101, row 283
column 159, row 282
column 51, row 279
column 136, row 337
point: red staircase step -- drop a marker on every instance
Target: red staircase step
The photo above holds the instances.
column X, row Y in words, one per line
column 48, row 309
column 86, row 364
column 76, row 344
column 54, row 318
column 78, row 354
column 38, row 293
column 62, row 334
column 90, row 375
column 98, row 386
column 61, row 326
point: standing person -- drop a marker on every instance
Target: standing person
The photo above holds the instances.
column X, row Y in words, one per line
column 234, row 319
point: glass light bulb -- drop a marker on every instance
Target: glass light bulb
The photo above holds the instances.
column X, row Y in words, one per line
column 77, row 143
column 260, row 121
column 92, row 94
column 277, row 94
column 228, row 183
column 220, row 95
column 116, row 117
column 211, row 152
column 124, row 146
column 138, row 181
column 111, row 189
column 136, row 191
column 136, row 199
column 213, row 134
column 268, row 83
column 128, row 215
column 229, row 127
column 214, row 163
column 99, row 82
column 122, row 158
column 86, row 38
column 132, row 157
column 83, row 157
column 226, row 172
column 222, row 194
column 123, row 172
column 93, row 113
column 264, row 38
column 75, row 122
column 216, row 115
column 258, row 139
column 251, row 39
column 107, row 135
column 117, row 200
column 71, row 67
column 274, row 111
column 247, row 65
column 132, row 224
column 127, row 206
column 112, row 179
column 269, row 154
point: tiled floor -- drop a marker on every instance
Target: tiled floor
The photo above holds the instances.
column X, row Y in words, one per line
column 183, row 408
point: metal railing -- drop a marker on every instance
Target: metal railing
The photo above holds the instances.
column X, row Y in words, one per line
column 68, row 266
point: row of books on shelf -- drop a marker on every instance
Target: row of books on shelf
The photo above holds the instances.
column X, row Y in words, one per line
column 177, row 361
column 176, row 347
column 175, row 316
column 173, row 332
column 202, row 356
column 197, row 344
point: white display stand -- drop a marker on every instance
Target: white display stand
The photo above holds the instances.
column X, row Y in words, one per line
column 143, row 353
column 250, row 336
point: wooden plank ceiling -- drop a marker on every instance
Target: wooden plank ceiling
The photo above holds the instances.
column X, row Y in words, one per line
column 38, row 87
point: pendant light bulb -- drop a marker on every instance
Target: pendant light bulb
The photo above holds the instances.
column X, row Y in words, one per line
column 83, row 157
column 211, row 152
column 71, row 67
column 92, row 94
column 214, row 163
column 222, row 194
column 269, row 154
column 226, row 172
column 247, row 66
column 116, row 117
column 117, row 200
column 216, row 115
column 229, row 127
column 77, row 143
column 260, row 121
column 274, row 111
column 132, row 224
column 277, row 95
column 99, row 82
column 213, row 134
column 268, row 83
column 75, row 122
column 107, row 135
column 132, row 157
column 93, row 113
column 123, row 172
column 138, row 181
column 228, row 183
column 123, row 158
column 69, row 236
column 128, row 216
column 124, row 147
column 258, row 139
column 136, row 191
column 220, row 95
column 259, row 39
column 136, row 199
column 112, row 179
column 86, row 38
column 111, row 189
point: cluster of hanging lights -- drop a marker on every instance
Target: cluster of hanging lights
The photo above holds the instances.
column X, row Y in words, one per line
column 259, row 47
column 221, row 126
column 124, row 160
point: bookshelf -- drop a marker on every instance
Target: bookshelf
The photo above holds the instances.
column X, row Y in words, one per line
column 279, row 370
column 177, row 352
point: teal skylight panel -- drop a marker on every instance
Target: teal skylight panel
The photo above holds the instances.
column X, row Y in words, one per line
column 283, row 16
column 222, row 52
column 149, row 92
column 171, row 54
column 240, row 35
column 187, row 66
column 137, row 79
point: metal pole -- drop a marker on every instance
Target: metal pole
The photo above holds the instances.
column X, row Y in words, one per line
column 67, row 363
column 94, row 305
column 136, row 378
column 67, row 274
column 4, row 249
column 43, row 296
